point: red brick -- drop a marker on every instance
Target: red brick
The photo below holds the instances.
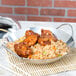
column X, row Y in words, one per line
column 13, row 2
column 65, row 3
column 52, row 12
column 40, row 3
column 65, row 19
column 6, row 10
column 18, row 18
column 27, row 11
column 33, row 18
column 71, row 12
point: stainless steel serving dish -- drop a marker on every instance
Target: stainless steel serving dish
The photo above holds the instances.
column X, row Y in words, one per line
column 13, row 35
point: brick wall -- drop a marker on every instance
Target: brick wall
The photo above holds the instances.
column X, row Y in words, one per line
column 39, row 10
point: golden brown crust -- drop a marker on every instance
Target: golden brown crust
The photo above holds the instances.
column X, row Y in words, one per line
column 48, row 34
column 46, row 37
column 30, row 40
column 44, row 41
column 30, row 32
column 22, row 50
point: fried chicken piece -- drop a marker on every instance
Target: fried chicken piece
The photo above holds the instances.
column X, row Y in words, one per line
column 30, row 40
column 30, row 32
column 44, row 41
column 49, row 34
column 46, row 37
column 46, row 33
column 22, row 50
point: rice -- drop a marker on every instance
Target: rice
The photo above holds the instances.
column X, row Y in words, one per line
column 56, row 49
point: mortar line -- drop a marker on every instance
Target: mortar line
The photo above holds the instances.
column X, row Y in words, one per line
column 38, row 7
column 39, row 16
column 26, row 6
column 13, row 10
column 11, row 14
column 52, row 3
column 0, row 2
column 52, row 19
column 26, row 3
column 26, row 17
column 66, row 12
column 39, row 11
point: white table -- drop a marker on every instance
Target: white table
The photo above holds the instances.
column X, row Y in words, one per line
column 25, row 24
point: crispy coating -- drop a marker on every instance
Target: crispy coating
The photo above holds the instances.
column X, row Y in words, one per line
column 30, row 32
column 46, row 33
column 49, row 34
column 44, row 41
column 30, row 40
column 22, row 50
column 46, row 37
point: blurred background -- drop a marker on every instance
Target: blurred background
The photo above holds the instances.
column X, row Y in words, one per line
column 39, row 10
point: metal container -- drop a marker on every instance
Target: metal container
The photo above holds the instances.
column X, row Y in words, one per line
column 61, row 35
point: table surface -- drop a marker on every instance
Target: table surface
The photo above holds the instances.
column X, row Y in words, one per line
column 25, row 24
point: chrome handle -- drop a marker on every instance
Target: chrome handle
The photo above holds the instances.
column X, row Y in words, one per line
column 65, row 25
column 10, row 21
column 70, row 40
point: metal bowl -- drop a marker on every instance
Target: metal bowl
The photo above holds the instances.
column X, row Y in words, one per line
column 61, row 35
